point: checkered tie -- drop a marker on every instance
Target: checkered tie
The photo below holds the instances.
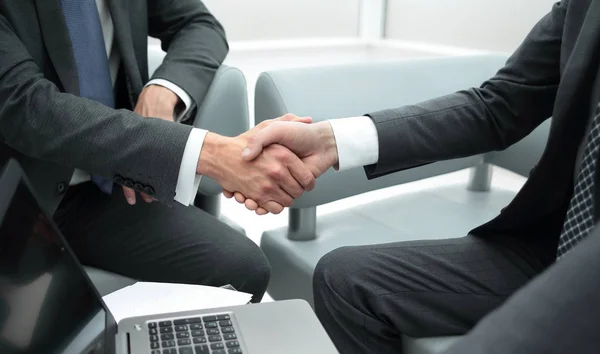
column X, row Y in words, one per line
column 580, row 215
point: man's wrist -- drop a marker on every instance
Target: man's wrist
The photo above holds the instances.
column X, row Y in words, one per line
column 214, row 150
column 327, row 136
column 168, row 97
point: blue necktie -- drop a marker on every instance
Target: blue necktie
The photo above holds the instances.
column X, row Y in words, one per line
column 85, row 31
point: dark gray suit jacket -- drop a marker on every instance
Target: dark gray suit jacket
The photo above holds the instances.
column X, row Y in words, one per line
column 553, row 73
column 51, row 131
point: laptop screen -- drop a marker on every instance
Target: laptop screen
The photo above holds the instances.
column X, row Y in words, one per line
column 47, row 304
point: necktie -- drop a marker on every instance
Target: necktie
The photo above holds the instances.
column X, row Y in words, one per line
column 580, row 215
column 85, row 31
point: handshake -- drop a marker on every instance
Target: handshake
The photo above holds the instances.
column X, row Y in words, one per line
column 272, row 164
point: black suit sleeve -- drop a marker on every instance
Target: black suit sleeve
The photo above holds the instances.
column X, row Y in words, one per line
column 194, row 40
column 40, row 121
column 502, row 111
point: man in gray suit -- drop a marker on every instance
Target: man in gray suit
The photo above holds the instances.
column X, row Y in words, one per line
column 368, row 296
column 74, row 91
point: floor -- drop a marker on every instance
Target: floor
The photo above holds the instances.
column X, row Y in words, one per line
column 252, row 62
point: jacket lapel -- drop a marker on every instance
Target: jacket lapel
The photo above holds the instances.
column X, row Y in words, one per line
column 58, row 43
column 579, row 79
column 120, row 17
column 595, row 30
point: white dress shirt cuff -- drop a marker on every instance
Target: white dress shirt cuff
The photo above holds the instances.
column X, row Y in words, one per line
column 183, row 96
column 188, row 181
column 357, row 142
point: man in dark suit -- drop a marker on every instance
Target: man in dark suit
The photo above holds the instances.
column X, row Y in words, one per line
column 367, row 296
column 74, row 91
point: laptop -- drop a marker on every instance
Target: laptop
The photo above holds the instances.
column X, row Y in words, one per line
column 49, row 305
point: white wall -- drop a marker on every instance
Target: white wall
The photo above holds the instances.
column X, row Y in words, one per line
column 284, row 19
column 498, row 25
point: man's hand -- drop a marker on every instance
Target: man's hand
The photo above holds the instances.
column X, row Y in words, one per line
column 155, row 102
column 274, row 179
column 313, row 143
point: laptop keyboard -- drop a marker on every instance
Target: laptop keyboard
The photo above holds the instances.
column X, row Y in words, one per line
column 214, row 334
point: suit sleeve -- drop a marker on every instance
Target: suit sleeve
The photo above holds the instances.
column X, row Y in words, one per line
column 505, row 109
column 40, row 121
column 195, row 43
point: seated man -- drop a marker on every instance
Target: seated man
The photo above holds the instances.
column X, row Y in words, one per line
column 74, row 89
column 368, row 296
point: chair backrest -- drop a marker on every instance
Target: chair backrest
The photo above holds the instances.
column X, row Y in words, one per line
column 353, row 90
column 224, row 109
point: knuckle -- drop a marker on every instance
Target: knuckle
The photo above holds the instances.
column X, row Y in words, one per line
column 310, row 181
column 297, row 192
column 267, row 188
column 283, row 156
column 287, row 201
column 276, row 173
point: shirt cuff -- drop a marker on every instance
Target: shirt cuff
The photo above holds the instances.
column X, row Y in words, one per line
column 187, row 101
column 188, row 181
column 357, row 142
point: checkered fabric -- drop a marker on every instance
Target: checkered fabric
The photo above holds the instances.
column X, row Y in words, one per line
column 580, row 215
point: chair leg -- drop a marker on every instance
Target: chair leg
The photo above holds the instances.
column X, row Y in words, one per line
column 481, row 178
column 303, row 224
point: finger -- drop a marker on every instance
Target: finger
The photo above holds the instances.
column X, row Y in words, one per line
column 280, row 196
column 147, row 198
column 272, row 134
column 227, row 194
column 293, row 118
column 306, row 120
column 302, row 174
column 240, row 197
column 261, row 211
column 272, row 207
column 129, row 195
column 251, row 204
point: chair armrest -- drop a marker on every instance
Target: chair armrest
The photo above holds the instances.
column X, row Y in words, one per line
column 224, row 109
column 225, row 112
column 353, row 90
column 522, row 157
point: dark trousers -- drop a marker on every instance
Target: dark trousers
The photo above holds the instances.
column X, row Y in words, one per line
column 367, row 297
column 558, row 312
column 152, row 242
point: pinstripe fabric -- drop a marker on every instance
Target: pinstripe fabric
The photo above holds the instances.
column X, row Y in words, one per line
column 58, row 131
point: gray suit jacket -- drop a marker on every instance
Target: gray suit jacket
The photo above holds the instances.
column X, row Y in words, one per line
column 50, row 130
column 553, row 73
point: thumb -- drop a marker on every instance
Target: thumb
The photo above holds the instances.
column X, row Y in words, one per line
column 270, row 135
column 306, row 120
column 293, row 118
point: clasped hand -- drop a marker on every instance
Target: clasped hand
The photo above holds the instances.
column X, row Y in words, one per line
column 266, row 167
column 292, row 153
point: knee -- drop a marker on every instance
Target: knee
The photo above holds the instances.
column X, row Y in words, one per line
column 335, row 272
column 253, row 273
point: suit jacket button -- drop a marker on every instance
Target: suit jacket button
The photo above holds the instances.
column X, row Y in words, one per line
column 118, row 180
column 138, row 187
column 61, row 187
column 128, row 183
column 149, row 191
